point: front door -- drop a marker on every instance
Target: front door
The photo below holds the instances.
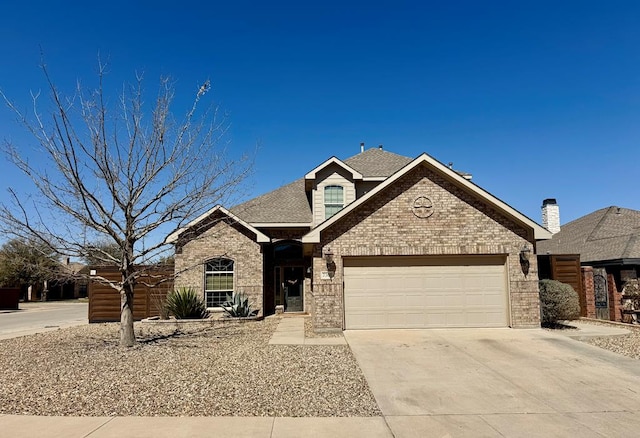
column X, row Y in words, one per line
column 289, row 281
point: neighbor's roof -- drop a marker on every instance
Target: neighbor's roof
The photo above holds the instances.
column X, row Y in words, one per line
column 289, row 204
column 612, row 233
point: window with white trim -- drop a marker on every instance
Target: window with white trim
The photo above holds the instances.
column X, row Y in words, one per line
column 333, row 200
column 218, row 281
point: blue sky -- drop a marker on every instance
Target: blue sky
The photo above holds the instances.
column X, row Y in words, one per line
column 535, row 99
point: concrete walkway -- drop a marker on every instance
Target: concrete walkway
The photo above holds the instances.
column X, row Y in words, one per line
column 586, row 330
column 290, row 331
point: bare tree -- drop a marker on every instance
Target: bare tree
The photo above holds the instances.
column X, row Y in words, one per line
column 102, row 253
column 118, row 175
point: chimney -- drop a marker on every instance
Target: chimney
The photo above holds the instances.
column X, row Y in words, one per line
column 361, row 147
column 551, row 215
column 380, row 147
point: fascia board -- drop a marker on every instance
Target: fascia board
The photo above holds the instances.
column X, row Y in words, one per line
column 260, row 237
column 333, row 160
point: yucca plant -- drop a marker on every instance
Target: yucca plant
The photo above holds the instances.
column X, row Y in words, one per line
column 238, row 306
column 185, row 303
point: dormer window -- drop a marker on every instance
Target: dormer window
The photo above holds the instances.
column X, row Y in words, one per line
column 333, row 200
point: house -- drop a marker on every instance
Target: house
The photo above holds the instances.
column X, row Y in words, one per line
column 608, row 242
column 377, row 240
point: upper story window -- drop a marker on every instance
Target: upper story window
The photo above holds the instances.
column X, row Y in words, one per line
column 333, row 200
column 218, row 281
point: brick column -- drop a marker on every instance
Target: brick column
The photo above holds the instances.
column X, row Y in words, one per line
column 588, row 290
column 615, row 299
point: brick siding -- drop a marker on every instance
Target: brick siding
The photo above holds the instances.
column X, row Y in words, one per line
column 460, row 225
column 221, row 237
column 615, row 299
column 589, row 292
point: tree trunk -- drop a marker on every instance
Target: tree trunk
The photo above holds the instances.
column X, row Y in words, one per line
column 127, row 335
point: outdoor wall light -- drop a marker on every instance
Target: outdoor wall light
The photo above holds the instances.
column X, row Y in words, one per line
column 328, row 256
column 525, row 253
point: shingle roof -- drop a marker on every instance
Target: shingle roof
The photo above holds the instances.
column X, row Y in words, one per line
column 611, row 233
column 377, row 162
column 288, row 204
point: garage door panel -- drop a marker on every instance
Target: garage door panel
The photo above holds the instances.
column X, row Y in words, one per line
column 423, row 294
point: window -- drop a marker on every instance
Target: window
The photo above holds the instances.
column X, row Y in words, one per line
column 218, row 281
column 333, row 200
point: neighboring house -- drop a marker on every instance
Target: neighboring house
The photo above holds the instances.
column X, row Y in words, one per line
column 72, row 282
column 608, row 241
column 374, row 241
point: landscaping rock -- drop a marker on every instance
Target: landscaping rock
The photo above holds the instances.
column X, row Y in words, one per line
column 179, row 370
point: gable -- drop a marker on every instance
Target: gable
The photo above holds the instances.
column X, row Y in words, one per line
column 394, row 217
column 454, row 180
column 202, row 224
column 331, row 175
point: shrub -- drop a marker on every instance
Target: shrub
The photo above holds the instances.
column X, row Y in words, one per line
column 558, row 301
column 185, row 303
column 238, row 306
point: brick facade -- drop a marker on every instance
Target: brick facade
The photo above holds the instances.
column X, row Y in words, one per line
column 615, row 299
column 589, row 292
column 222, row 238
column 386, row 225
column 614, row 295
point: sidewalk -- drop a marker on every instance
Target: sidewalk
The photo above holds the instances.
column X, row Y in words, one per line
column 171, row 427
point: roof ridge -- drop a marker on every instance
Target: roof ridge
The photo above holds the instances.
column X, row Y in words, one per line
column 633, row 238
column 598, row 226
column 375, row 149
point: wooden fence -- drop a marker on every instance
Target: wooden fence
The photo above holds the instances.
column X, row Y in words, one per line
column 149, row 293
column 564, row 268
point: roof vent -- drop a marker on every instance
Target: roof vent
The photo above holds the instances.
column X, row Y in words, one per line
column 362, row 147
column 380, row 147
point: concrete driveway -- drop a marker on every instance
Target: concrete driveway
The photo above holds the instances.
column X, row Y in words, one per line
column 497, row 382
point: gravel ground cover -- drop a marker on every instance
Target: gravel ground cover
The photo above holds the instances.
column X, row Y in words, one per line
column 627, row 345
column 191, row 370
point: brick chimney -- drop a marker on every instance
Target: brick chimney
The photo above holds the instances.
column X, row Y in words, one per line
column 551, row 215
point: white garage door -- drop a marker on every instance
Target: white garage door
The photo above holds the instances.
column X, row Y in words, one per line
column 425, row 292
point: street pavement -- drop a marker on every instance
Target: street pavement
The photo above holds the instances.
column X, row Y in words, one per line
column 38, row 317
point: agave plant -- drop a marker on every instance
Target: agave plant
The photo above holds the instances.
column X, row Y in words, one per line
column 238, row 306
column 185, row 303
